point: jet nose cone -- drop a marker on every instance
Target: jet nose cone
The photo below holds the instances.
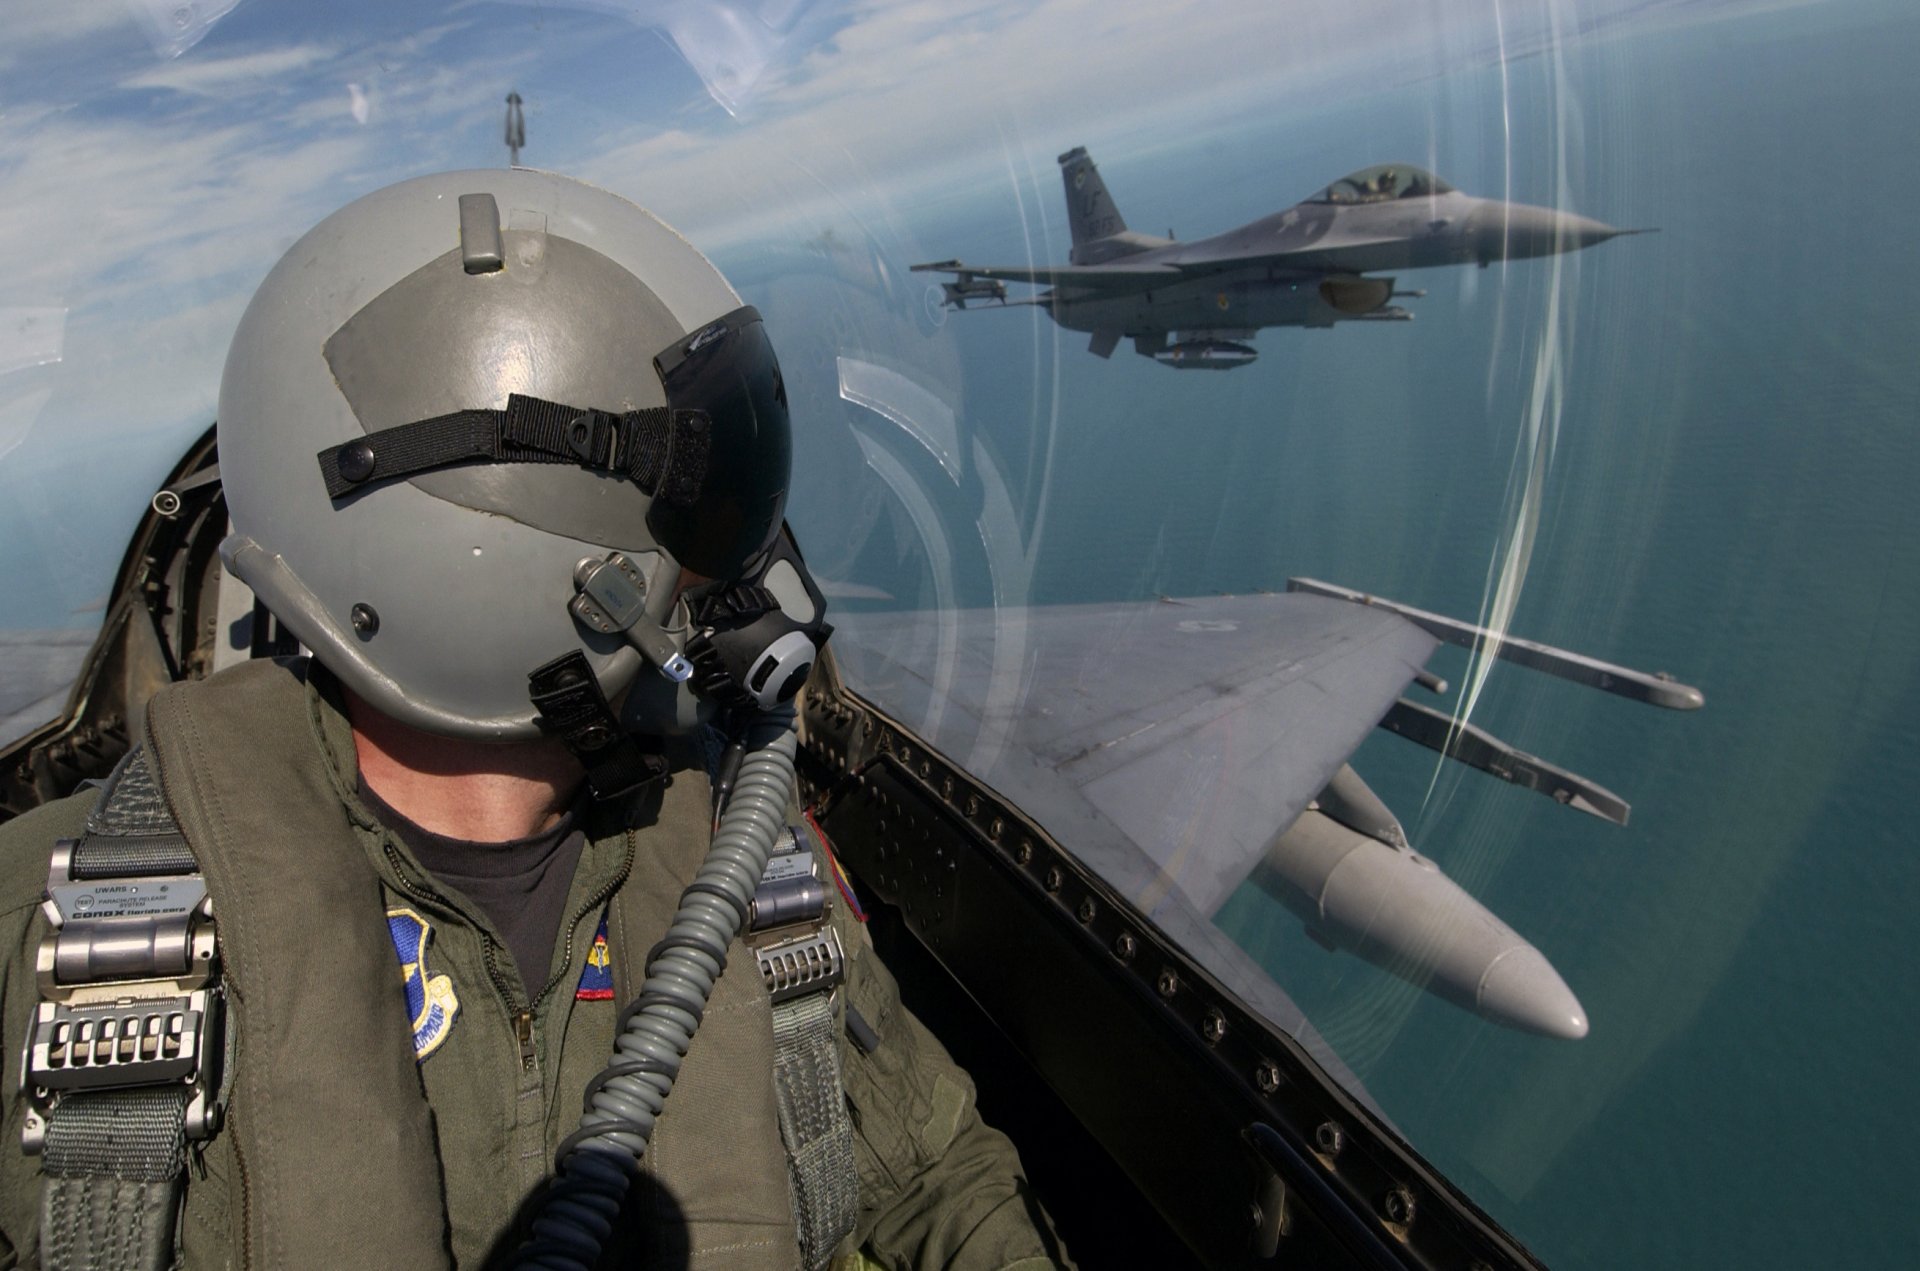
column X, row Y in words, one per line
column 1522, row 988
column 1580, row 231
column 1516, row 230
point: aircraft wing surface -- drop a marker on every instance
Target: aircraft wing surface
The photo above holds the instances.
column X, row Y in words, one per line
column 1117, row 278
column 1334, row 253
column 1166, row 743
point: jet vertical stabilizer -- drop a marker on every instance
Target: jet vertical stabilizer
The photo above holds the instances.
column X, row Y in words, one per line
column 1099, row 234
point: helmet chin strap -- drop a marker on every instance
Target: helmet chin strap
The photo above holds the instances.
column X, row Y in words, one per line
column 567, row 695
column 610, row 597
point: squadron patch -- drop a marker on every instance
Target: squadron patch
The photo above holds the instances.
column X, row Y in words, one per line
column 596, row 977
column 431, row 1000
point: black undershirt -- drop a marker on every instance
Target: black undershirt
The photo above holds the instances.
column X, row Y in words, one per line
column 520, row 885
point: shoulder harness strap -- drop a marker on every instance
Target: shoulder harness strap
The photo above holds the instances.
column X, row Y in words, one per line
column 802, row 962
column 122, row 1064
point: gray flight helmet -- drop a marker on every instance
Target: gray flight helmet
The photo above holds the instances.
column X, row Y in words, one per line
column 435, row 595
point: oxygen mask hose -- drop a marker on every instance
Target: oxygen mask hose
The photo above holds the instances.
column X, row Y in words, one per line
column 598, row 1161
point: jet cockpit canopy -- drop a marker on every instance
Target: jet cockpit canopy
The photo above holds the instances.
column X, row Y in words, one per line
column 1383, row 183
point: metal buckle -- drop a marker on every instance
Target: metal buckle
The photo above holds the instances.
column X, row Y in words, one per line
column 156, row 1040
column 128, row 995
column 812, row 963
column 135, row 1042
column 793, row 942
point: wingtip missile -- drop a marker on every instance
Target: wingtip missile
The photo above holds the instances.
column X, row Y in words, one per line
column 1656, row 689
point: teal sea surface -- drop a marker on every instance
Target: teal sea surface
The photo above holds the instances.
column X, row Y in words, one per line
column 1729, row 497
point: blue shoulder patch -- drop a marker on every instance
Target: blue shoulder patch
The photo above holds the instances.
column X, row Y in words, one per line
column 596, row 977
column 431, row 1000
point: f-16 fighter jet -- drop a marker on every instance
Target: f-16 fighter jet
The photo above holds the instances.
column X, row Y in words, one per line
column 1195, row 305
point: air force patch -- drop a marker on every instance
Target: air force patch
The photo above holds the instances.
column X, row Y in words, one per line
column 430, row 998
column 596, row 977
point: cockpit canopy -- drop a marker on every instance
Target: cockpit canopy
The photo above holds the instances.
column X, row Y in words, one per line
column 1383, row 183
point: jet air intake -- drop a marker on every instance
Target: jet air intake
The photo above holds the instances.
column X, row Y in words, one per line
column 1351, row 294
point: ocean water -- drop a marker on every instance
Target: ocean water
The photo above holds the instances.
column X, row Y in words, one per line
column 1729, row 498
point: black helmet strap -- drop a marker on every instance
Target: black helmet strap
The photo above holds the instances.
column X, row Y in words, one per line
column 662, row 450
column 572, row 708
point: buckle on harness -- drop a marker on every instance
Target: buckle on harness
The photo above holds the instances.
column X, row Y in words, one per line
column 128, row 994
column 809, row 964
column 794, row 944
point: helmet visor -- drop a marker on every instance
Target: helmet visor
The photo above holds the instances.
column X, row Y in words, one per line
column 727, row 369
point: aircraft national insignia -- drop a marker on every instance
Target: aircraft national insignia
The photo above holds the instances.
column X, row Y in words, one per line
column 596, row 977
column 431, row 1000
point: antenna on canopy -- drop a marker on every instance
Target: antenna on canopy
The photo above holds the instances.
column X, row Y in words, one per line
column 516, row 129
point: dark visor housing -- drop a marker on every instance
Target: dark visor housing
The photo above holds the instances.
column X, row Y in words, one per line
column 726, row 370
column 716, row 458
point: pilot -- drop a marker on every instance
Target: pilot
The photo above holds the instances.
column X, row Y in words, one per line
column 330, row 967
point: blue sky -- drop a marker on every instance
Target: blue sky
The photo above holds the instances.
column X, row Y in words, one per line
column 144, row 190
column 145, row 194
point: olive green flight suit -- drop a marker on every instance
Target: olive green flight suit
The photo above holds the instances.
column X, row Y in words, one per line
column 341, row 1147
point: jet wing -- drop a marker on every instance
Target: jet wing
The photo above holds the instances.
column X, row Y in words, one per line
column 1329, row 255
column 1333, row 254
column 1115, row 279
column 1167, row 742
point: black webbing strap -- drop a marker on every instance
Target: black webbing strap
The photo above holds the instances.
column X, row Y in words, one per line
column 573, row 708
column 663, row 451
column 132, row 856
column 113, row 1163
column 135, row 1134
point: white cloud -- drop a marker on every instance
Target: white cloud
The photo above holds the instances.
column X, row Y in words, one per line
column 925, row 94
column 36, row 28
column 142, row 224
column 947, row 94
column 227, row 75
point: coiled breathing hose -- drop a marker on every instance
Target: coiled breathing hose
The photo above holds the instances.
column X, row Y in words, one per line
column 598, row 1161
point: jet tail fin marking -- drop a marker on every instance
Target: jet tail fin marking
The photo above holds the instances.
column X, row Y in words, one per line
column 1091, row 214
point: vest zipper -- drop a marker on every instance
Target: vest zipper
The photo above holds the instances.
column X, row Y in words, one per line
column 596, row 901
column 427, row 893
column 523, row 1021
column 246, row 1199
column 523, row 1029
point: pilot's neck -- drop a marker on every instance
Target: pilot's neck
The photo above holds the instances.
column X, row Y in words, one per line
column 479, row 791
